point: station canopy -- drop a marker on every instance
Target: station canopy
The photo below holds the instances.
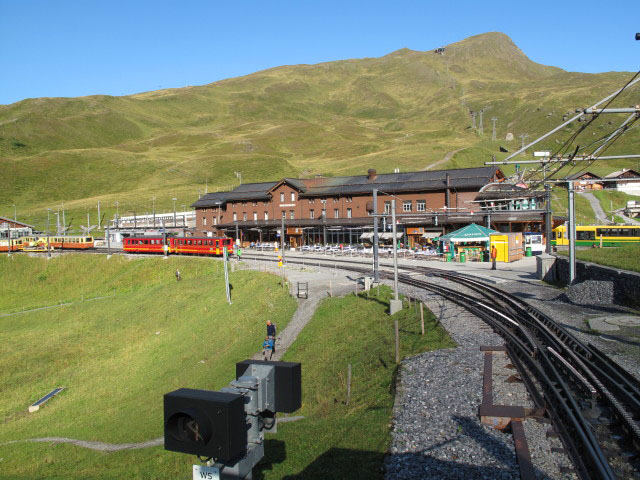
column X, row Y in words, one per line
column 470, row 233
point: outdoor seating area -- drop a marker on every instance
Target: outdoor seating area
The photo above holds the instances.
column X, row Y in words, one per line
column 359, row 250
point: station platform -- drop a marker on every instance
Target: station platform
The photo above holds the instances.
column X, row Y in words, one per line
column 519, row 271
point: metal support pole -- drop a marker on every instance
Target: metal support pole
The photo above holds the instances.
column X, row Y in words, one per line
column 108, row 241
column 572, row 234
column 154, row 211
column 226, row 274
column 48, row 249
column 282, row 240
column 174, row 212
column 547, row 218
column 99, row 219
column 395, row 250
column 64, row 222
column 8, row 239
column 165, row 247
column 376, row 259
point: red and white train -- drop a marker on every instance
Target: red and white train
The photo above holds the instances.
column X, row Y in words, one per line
column 178, row 245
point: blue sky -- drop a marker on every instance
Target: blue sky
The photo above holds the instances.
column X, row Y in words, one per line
column 75, row 48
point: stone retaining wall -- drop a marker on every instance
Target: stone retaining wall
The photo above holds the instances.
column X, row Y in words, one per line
column 626, row 284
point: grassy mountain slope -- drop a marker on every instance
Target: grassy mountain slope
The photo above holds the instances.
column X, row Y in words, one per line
column 406, row 109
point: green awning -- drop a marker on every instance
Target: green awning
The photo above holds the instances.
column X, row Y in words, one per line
column 470, row 233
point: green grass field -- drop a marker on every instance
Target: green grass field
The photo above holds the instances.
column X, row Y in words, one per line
column 626, row 257
column 117, row 356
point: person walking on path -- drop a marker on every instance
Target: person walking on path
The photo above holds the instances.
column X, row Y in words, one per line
column 271, row 333
column 494, row 256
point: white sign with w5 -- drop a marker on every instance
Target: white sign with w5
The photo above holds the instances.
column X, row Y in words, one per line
column 202, row 472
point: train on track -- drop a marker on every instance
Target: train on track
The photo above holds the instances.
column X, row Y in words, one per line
column 213, row 246
column 598, row 235
column 178, row 245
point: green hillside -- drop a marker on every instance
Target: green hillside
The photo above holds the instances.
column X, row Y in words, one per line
column 407, row 109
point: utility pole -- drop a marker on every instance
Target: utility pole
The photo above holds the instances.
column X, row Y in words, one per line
column 547, row 218
column 8, row 239
column 376, row 259
column 493, row 133
column 15, row 214
column 99, row 219
column 48, row 242
column 572, row 233
column 117, row 219
column 226, row 273
column 480, row 126
column 395, row 305
column 108, row 241
column 282, row 240
column 473, row 119
column 64, row 222
column 165, row 247
column 174, row 212
column 153, row 202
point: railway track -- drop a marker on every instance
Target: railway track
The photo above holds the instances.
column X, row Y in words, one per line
column 593, row 403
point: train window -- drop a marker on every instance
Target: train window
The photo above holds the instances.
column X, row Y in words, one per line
column 199, row 242
column 585, row 235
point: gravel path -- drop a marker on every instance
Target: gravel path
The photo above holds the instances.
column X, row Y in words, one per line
column 597, row 208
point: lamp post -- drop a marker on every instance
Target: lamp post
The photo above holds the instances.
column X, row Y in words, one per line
column 48, row 249
column 174, row 211
column 117, row 216
column 153, row 202
column 15, row 215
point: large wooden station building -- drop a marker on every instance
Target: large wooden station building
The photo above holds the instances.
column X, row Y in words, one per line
column 338, row 209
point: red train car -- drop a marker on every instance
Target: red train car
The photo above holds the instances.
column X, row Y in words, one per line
column 143, row 244
column 179, row 245
column 201, row 245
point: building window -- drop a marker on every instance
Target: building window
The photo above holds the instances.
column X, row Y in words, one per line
column 265, row 203
column 281, row 197
column 323, row 200
column 349, row 199
column 215, row 220
column 266, row 215
column 349, row 213
column 335, row 199
column 284, row 214
column 421, row 206
column 244, row 216
column 406, row 206
column 204, row 221
column 293, row 196
column 255, row 215
column 324, row 213
column 255, row 204
column 336, row 213
column 292, row 215
column 312, row 214
column 244, row 204
column 312, row 200
column 387, row 207
column 235, row 217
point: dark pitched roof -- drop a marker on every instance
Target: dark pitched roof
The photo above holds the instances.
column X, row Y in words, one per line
column 246, row 191
column 472, row 178
column 400, row 182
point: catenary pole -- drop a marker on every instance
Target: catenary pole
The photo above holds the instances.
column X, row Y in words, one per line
column 547, row 218
column 376, row 258
column 572, row 233
column 395, row 250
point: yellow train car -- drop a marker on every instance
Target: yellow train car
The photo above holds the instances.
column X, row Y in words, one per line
column 605, row 235
column 64, row 242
